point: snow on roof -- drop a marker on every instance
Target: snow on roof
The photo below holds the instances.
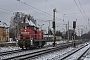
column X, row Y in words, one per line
column 30, row 22
column 3, row 24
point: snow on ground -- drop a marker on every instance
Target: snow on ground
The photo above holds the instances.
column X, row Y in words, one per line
column 56, row 54
column 57, row 42
column 10, row 48
column 53, row 55
column 22, row 53
column 87, row 56
column 7, row 42
column 78, row 53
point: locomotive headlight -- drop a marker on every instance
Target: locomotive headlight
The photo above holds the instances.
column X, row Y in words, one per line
column 25, row 30
column 16, row 40
column 31, row 40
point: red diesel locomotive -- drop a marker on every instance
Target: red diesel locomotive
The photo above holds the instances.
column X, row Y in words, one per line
column 31, row 37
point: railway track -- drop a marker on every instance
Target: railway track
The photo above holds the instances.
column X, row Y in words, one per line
column 29, row 54
column 10, row 52
column 75, row 54
column 16, row 51
column 36, row 53
column 86, row 56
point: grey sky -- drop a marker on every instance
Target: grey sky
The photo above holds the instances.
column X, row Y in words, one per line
column 67, row 7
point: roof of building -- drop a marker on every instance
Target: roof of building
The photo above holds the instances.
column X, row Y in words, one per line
column 3, row 24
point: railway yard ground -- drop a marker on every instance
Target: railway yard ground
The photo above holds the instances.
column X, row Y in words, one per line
column 6, row 44
column 53, row 55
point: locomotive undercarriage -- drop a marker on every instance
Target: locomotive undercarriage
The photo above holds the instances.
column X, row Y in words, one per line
column 31, row 43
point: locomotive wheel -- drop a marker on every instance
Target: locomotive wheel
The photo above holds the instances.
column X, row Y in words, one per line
column 39, row 46
column 22, row 47
column 26, row 47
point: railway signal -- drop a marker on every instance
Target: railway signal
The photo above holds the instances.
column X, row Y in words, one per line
column 54, row 10
column 53, row 24
column 74, row 26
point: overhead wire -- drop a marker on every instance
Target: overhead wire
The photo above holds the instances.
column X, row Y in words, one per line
column 10, row 10
column 37, row 9
column 79, row 9
column 57, row 10
column 13, row 11
column 34, row 8
column 52, row 6
column 50, row 3
column 83, row 10
column 30, row 6
column 7, row 10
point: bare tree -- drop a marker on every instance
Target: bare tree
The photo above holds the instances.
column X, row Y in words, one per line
column 18, row 18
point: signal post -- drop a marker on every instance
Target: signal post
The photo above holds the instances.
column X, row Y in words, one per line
column 74, row 26
column 53, row 23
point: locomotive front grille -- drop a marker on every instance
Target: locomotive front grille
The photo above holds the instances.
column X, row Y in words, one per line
column 23, row 37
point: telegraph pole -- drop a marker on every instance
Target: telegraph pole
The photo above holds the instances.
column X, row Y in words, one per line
column 54, row 10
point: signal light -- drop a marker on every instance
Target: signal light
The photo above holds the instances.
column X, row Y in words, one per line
column 53, row 24
column 74, row 24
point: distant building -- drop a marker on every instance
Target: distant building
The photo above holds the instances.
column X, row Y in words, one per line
column 48, row 37
column 4, row 32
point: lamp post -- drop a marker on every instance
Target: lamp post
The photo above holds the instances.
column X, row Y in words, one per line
column 63, row 16
column 66, row 28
